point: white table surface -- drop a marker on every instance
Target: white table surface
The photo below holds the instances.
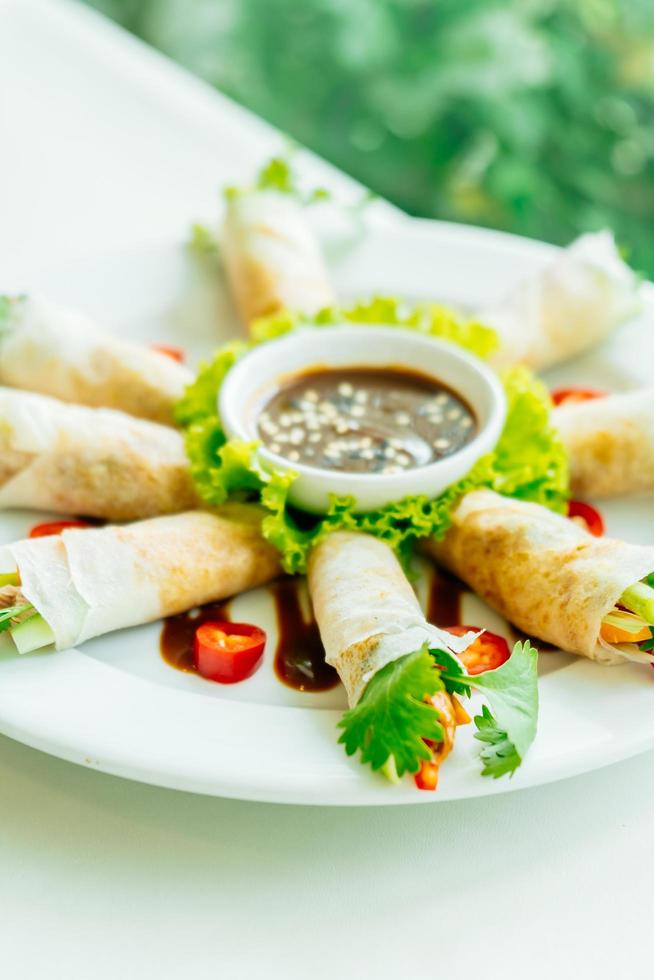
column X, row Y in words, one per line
column 104, row 878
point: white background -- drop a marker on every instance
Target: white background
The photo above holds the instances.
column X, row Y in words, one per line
column 102, row 144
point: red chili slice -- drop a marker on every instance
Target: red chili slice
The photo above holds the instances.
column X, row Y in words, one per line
column 427, row 775
column 175, row 353
column 54, row 527
column 565, row 396
column 228, row 652
column 487, row 652
column 589, row 516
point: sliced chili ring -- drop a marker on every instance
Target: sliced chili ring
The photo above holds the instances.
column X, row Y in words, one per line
column 567, row 396
column 487, row 652
column 228, row 652
column 169, row 350
column 586, row 515
column 55, row 527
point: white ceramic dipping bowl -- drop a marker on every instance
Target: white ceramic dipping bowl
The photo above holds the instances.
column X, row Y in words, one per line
column 258, row 375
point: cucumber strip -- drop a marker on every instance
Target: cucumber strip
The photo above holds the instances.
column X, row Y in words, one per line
column 9, row 578
column 627, row 621
column 32, row 634
column 389, row 769
column 639, row 599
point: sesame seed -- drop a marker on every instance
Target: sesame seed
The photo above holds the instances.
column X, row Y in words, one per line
column 285, row 419
column 345, row 389
column 297, row 435
column 466, row 422
column 294, row 455
column 315, row 437
column 269, row 428
column 361, row 397
column 403, row 459
column 441, row 443
column 358, row 411
column 275, row 447
column 442, row 399
column 366, row 441
column 311, row 395
column 390, row 453
column 402, row 418
column 454, row 413
column 367, row 454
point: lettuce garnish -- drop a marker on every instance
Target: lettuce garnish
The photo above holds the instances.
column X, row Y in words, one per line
column 391, row 721
column 529, row 461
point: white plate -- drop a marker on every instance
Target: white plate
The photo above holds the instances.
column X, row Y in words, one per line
column 115, row 705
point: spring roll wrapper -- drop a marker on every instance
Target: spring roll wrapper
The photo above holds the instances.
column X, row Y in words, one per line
column 91, row 461
column 569, row 307
column 366, row 610
column 272, row 259
column 541, row 571
column 89, row 582
column 610, row 443
column 51, row 350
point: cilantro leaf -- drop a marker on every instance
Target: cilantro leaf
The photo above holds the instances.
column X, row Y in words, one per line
column 392, row 719
column 499, row 756
column 512, row 693
column 454, row 675
column 648, row 645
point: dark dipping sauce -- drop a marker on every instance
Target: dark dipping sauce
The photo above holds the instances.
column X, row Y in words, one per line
column 299, row 657
column 178, row 633
column 365, row 420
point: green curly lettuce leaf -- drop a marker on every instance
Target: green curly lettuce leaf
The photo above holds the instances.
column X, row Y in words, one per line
column 430, row 319
column 529, row 461
column 392, row 718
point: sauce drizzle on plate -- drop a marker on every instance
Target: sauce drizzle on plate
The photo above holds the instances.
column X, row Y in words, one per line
column 300, row 656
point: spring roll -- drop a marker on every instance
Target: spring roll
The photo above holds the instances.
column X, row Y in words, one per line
column 366, row 610
column 549, row 576
column 83, row 583
column 271, row 257
column 92, row 461
column 610, row 443
column 54, row 351
column 569, row 307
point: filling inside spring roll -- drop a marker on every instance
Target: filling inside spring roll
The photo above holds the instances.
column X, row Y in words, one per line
column 402, row 674
column 65, row 589
column 97, row 462
column 57, row 352
column 551, row 578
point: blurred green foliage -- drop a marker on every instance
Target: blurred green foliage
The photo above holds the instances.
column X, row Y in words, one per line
column 530, row 115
